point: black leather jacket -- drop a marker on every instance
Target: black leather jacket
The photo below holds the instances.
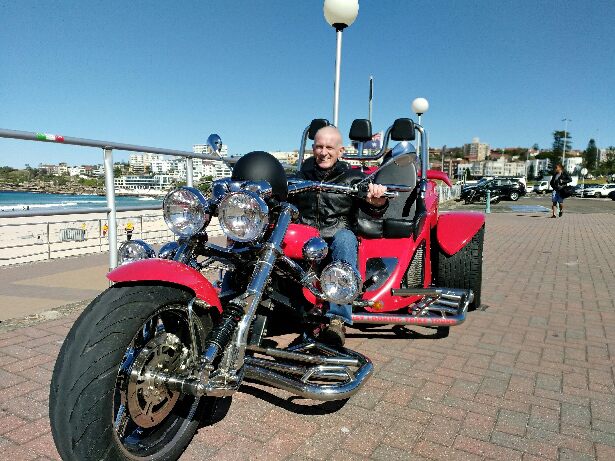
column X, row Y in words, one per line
column 563, row 180
column 329, row 212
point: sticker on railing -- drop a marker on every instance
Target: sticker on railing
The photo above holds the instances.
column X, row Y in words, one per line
column 49, row 137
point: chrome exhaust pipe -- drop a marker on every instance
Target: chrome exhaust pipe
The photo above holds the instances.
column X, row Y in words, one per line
column 444, row 310
column 344, row 382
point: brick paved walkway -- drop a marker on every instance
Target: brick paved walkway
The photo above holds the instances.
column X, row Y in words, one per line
column 530, row 377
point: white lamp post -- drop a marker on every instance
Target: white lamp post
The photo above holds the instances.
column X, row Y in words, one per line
column 339, row 14
column 419, row 107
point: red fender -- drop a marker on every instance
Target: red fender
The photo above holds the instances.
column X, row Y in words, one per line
column 442, row 176
column 165, row 270
column 457, row 228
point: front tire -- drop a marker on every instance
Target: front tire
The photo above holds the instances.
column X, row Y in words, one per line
column 463, row 269
column 101, row 405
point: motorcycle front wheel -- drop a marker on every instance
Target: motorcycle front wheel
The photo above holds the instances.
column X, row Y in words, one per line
column 102, row 405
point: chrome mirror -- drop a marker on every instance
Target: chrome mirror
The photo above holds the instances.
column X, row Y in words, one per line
column 215, row 143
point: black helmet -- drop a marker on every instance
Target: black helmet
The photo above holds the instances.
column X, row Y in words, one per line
column 262, row 166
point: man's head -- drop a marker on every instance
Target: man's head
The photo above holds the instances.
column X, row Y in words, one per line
column 327, row 146
column 559, row 168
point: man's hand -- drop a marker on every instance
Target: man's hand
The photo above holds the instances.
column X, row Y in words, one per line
column 375, row 195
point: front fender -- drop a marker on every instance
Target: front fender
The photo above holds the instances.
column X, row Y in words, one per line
column 456, row 228
column 164, row 270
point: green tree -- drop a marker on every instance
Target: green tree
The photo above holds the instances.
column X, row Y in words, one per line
column 530, row 173
column 558, row 148
column 590, row 156
column 607, row 166
column 535, row 146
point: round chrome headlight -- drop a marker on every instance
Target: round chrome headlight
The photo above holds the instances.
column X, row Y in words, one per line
column 243, row 216
column 186, row 211
column 134, row 250
column 340, row 282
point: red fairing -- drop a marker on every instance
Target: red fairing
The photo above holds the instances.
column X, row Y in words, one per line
column 167, row 271
column 296, row 236
column 442, row 176
column 457, row 228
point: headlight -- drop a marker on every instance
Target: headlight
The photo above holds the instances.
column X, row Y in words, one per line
column 340, row 282
column 186, row 211
column 243, row 216
column 134, row 250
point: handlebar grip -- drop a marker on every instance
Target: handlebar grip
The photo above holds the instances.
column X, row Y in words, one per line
column 363, row 190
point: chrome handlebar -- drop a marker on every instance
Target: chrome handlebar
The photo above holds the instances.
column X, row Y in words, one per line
column 360, row 190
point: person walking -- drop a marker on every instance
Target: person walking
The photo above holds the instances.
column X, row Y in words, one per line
column 558, row 181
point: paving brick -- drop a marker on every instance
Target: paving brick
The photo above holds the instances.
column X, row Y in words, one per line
column 511, row 422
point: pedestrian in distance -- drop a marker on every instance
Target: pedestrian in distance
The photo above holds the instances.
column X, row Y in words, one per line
column 558, row 181
column 105, row 229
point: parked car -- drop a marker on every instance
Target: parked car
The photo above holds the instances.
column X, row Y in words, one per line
column 598, row 190
column 541, row 187
column 578, row 190
column 506, row 187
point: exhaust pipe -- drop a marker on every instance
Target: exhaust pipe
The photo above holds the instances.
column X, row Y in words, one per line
column 448, row 309
column 348, row 384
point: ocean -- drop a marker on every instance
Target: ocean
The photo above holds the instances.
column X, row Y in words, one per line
column 16, row 201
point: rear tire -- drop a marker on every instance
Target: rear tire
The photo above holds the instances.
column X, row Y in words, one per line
column 514, row 196
column 101, row 405
column 463, row 269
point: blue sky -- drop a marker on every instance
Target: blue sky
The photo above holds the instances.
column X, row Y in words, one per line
column 167, row 74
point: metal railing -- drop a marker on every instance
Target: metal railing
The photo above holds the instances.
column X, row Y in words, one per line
column 107, row 148
column 446, row 193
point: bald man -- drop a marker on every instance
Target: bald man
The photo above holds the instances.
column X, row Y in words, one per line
column 336, row 215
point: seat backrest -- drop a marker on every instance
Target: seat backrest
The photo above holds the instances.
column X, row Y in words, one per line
column 397, row 220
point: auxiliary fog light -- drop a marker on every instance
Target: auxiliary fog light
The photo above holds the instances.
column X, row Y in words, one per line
column 134, row 250
column 340, row 282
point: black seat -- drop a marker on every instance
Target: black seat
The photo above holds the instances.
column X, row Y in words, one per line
column 398, row 221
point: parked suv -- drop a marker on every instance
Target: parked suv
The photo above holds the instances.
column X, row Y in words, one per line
column 512, row 188
column 598, row 190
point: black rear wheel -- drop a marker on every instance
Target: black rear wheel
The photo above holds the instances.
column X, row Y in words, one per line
column 514, row 196
column 463, row 269
column 103, row 404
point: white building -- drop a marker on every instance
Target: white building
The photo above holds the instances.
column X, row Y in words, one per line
column 205, row 149
column 539, row 165
column 571, row 163
column 159, row 182
column 478, row 150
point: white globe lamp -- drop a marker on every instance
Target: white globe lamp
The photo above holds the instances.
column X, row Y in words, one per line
column 339, row 14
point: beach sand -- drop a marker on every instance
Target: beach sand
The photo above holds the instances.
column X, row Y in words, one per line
column 31, row 239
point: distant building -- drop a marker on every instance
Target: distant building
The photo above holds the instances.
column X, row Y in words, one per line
column 477, row 149
column 206, row 149
column 158, row 182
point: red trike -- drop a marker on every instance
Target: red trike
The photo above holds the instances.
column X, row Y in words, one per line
column 153, row 354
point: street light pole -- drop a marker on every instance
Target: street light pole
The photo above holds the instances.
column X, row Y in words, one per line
column 339, row 14
column 565, row 133
column 419, row 107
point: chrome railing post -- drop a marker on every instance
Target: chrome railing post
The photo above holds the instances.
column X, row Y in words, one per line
column 189, row 175
column 111, row 215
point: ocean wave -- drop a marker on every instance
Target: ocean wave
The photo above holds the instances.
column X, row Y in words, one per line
column 26, row 206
